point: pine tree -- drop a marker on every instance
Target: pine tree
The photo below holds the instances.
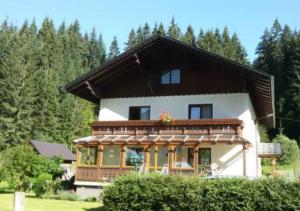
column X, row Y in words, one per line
column 114, row 49
column 189, row 36
column 161, row 29
column 146, row 31
column 174, row 30
column 131, row 40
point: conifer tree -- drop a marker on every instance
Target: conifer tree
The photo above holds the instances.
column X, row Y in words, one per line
column 131, row 40
column 114, row 49
column 174, row 30
column 189, row 36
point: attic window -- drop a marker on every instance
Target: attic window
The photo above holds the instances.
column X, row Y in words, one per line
column 170, row 77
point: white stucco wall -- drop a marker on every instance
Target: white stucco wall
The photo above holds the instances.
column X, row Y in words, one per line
column 235, row 105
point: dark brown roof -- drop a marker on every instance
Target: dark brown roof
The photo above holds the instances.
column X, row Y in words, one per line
column 52, row 150
column 259, row 85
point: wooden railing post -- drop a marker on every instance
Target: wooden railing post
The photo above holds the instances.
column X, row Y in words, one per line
column 244, row 160
column 147, row 158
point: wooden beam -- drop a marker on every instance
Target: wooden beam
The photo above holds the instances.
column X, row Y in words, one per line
column 273, row 166
column 92, row 89
column 244, row 160
column 147, row 158
column 170, row 156
column 100, row 155
column 122, row 156
column 196, row 153
column 155, row 157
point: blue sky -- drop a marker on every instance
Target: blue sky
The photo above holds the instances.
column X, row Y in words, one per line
column 116, row 17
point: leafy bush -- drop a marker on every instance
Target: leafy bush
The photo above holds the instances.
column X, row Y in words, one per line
column 160, row 192
column 22, row 166
column 42, row 184
column 290, row 150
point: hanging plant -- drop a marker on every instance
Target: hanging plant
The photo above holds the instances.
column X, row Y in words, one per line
column 166, row 118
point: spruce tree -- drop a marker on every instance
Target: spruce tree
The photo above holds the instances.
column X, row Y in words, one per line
column 131, row 40
column 113, row 49
column 189, row 36
column 174, row 30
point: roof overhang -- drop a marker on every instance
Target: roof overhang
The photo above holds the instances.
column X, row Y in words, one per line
column 260, row 85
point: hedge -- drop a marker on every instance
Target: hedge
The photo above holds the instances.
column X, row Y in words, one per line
column 161, row 192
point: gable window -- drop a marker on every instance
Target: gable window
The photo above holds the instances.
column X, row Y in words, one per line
column 170, row 77
column 88, row 155
column 139, row 113
column 200, row 111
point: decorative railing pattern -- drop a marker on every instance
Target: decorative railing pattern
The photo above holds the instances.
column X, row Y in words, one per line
column 178, row 127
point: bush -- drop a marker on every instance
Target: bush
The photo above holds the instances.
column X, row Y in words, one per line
column 160, row 192
column 42, row 184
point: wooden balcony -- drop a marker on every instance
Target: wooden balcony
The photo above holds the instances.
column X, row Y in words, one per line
column 178, row 127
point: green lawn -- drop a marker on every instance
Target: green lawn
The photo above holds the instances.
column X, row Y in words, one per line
column 36, row 204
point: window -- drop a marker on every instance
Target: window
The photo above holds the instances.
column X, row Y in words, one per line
column 139, row 113
column 184, row 157
column 170, row 77
column 88, row 155
column 134, row 156
column 204, row 156
column 111, row 155
column 203, row 111
column 162, row 156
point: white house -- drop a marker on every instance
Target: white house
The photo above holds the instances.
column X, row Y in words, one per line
column 215, row 103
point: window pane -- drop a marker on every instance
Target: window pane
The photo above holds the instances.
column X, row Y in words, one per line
column 83, row 155
column 134, row 156
column 134, row 113
column 195, row 112
column 183, row 158
column 165, row 78
column 162, row 156
column 175, row 76
column 92, row 156
column 206, row 112
column 205, row 156
column 111, row 155
column 145, row 113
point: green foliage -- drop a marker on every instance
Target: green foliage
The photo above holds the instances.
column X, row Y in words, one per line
column 42, row 184
column 290, row 150
column 212, row 41
column 22, row 165
column 278, row 53
column 263, row 133
column 160, row 192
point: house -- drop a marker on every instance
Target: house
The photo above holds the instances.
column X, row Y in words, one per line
column 52, row 150
column 216, row 105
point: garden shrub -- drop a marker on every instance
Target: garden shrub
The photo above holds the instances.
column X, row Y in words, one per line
column 161, row 192
column 42, row 184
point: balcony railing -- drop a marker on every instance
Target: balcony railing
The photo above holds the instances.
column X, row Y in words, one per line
column 269, row 149
column 178, row 127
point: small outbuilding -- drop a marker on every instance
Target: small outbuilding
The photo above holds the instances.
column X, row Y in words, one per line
column 53, row 149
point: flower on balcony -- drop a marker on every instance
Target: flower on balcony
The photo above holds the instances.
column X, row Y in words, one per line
column 166, row 118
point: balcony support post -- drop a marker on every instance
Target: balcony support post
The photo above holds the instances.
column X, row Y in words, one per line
column 170, row 157
column 196, row 153
column 100, row 155
column 147, row 158
column 244, row 160
column 155, row 157
column 122, row 156
column 273, row 166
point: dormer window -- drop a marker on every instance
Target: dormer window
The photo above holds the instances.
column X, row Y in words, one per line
column 170, row 77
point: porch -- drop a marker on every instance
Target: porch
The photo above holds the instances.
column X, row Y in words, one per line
column 183, row 147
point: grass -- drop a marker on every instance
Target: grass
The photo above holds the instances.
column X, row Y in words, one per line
column 36, row 204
